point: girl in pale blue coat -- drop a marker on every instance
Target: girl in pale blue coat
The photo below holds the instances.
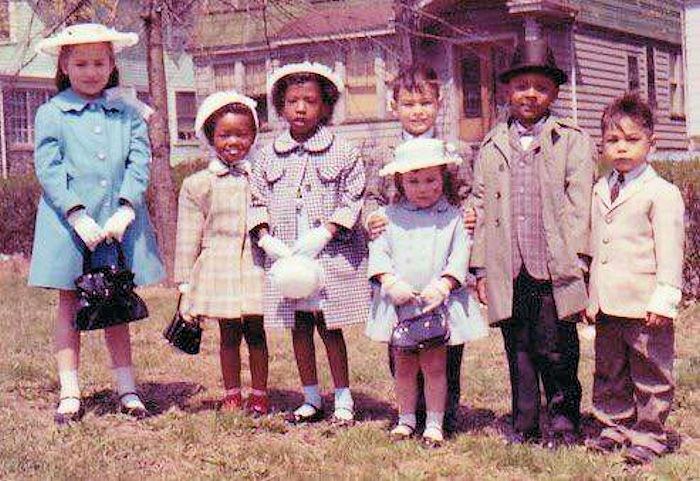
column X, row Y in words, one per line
column 418, row 264
column 92, row 160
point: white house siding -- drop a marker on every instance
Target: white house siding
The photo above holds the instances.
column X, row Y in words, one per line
column 692, row 51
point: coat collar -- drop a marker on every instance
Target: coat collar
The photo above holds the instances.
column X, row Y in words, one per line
column 500, row 134
column 602, row 188
column 220, row 169
column 68, row 101
column 319, row 142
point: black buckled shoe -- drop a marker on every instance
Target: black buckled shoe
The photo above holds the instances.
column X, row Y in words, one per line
column 65, row 419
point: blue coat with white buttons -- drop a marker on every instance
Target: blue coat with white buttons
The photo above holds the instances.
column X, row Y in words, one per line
column 90, row 153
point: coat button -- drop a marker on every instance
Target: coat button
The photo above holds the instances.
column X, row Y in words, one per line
column 606, row 240
column 604, row 261
column 498, row 195
column 317, row 223
column 521, row 218
column 103, row 183
column 97, row 129
column 608, row 219
column 501, row 168
column 101, row 155
column 497, row 222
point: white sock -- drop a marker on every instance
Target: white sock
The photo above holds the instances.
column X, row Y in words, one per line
column 258, row 392
column 126, row 387
column 70, row 392
column 312, row 395
column 343, row 398
column 408, row 419
column 233, row 391
column 433, row 419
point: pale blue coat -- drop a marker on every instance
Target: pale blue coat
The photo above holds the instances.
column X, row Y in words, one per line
column 419, row 245
column 90, row 153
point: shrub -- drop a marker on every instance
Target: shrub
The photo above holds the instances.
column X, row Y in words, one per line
column 18, row 202
column 686, row 175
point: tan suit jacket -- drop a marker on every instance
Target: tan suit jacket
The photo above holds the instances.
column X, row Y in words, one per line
column 637, row 245
column 564, row 155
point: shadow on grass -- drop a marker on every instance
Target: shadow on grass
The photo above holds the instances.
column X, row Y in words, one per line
column 158, row 398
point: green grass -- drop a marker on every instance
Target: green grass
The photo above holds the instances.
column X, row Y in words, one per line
column 188, row 439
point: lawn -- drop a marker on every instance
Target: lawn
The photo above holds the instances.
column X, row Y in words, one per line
column 189, row 439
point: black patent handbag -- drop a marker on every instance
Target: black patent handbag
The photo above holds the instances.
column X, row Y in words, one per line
column 106, row 294
column 182, row 334
column 421, row 332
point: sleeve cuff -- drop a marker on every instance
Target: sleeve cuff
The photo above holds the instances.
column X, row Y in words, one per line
column 479, row 272
column 665, row 301
column 257, row 216
column 344, row 217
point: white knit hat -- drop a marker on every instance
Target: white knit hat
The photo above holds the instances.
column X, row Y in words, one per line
column 304, row 67
column 87, row 33
column 217, row 100
column 421, row 153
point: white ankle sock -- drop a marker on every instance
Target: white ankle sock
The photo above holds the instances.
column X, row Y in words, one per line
column 312, row 395
column 343, row 398
column 434, row 419
column 408, row 419
column 258, row 392
column 70, row 392
column 233, row 391
column 126, row 387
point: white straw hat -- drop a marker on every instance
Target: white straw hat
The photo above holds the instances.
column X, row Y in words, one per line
column 421, row 153
column 217, row 100
column 304, row 67
column 87, row 33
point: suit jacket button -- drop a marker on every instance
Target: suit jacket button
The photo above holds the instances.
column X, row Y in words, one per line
column 608, row 219
column 606, row 240
column 497, row 222
column 604, row 261
column 317, row 223
column 498, row 195
column 501, row 168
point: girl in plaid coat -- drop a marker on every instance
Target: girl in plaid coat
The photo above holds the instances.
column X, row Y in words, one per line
column 307, row 190
column 219, row 270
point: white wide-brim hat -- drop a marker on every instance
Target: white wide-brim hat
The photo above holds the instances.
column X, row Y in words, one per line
column 305, row 67
column 296, row 276
column 421, row 153
column 87, row 33
column 217, row 100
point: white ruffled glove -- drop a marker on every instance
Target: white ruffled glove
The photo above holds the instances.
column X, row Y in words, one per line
column 184, row 289
column 435, row 293
column 273, row 247
column 128, row 96
column 86, row 228
column 312, row 242
column 116, row 226
column 400, row 292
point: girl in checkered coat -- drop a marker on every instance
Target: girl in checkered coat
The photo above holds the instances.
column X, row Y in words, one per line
column 307, row 190
column 220, row 271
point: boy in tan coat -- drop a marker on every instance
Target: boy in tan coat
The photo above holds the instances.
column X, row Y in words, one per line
column 637, row 241
column 532, row 186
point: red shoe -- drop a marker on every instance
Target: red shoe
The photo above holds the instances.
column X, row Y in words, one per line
column 258, row 404
column 232, row 403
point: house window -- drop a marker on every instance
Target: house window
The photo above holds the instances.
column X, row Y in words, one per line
column 20, row 108
column 471, row 86
column 186, row 110
column 651, row 78
column 256, row 87
column 677, row 85
column 361, row 85
column 224, row 76
column 632, row 73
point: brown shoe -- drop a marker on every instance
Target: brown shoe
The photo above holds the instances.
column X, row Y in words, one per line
column 603, row 444
column 232, row 403
column 258, row 404
column 639, row 455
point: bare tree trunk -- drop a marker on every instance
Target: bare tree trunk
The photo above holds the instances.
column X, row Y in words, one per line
column 406, row 25
column 162, row 190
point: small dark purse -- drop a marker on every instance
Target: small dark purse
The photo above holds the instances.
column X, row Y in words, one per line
column 106, row 295
column 421, row 332
column 184, row 335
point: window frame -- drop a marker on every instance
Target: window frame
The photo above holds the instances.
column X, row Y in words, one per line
column 187, row 117
column 22, row 137
column 676, row 86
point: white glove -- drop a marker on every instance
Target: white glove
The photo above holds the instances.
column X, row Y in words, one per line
column 86, row 228
column 400, row 292
column 435, row 293
column 120, row 220
column 184, row 288
column 312, row 242
column 273, row 247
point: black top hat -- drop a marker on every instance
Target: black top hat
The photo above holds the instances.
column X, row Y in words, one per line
column 534, row 56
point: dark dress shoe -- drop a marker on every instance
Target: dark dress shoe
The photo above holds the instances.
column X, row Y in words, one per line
column 603, row 444
column 639, row 455
column 522, row 438
column 64, row 419
column 137, row 413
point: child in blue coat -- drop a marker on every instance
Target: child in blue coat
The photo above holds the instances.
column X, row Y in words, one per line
column 92, row 160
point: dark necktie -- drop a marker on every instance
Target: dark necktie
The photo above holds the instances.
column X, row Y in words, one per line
column 615, row 191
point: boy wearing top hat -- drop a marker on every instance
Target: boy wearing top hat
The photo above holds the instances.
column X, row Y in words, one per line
column 532, row 191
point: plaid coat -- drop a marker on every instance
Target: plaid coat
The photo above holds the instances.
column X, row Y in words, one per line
column 213, row 252
column 333, row 178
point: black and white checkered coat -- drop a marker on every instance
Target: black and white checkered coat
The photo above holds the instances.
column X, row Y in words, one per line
column 331, row 191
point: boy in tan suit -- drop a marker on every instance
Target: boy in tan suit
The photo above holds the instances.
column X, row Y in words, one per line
column 532, row 192
column 635, row 289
